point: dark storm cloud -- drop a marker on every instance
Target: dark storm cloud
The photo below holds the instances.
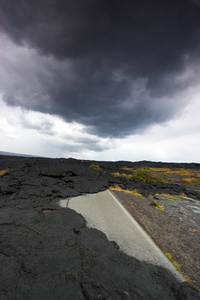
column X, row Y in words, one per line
column 121, row 56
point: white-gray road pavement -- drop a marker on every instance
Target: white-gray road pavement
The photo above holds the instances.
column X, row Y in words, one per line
column 104, row 212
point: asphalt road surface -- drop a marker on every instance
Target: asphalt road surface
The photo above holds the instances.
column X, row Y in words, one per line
column 104, row 212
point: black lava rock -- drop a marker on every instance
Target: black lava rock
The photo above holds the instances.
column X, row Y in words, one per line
column 47, row 252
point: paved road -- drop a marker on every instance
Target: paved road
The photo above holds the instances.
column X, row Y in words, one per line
column 104, row 212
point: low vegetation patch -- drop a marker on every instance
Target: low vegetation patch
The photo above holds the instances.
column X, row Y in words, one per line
column 168, row 255
column 177, row 266
column 189, row 176
column 170, row 196
column 4, row 171
column 116, row 174
column 165, row 175
column 158, row 205
column 128, row 169
column 146, row 175
column 181, row 196
column 120, row 174
column 95, row 167
column 191, row 180
column 116, row 187
column 136, row 193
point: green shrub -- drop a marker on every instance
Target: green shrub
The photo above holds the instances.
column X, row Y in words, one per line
column 146, row 175
column 158, row 205
column 95, row 167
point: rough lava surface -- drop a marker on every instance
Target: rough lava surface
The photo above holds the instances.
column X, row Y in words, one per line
column 47, row 252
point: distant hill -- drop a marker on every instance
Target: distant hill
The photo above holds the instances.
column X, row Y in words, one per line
column 15, row 154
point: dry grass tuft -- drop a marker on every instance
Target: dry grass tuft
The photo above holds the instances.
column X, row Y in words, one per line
column 136, row 193
column 183, row 194
column 171, row 196
column 158, row 205
column 191, row 180
column 119, row 174
column 116, row 187
column 4, row 171
column 127, row 169
column 168, row 255
column 178, row 267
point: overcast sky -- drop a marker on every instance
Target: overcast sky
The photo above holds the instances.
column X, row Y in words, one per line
column 99, row 79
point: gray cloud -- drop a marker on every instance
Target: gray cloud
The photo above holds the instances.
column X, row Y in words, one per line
column 42, row 125
column 79, row 144
column 106, row 64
